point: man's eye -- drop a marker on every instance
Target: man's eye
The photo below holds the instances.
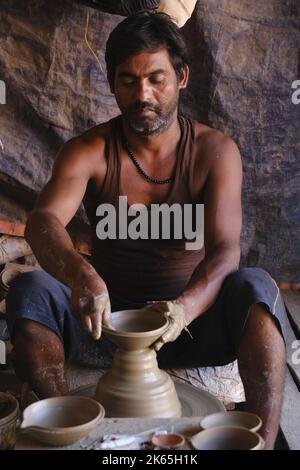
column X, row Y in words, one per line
column 127, row 81
column 157, row 79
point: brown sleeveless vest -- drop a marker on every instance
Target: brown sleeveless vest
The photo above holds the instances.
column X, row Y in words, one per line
column 136, row 271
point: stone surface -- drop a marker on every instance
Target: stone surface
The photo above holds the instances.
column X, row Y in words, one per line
column 244, row 59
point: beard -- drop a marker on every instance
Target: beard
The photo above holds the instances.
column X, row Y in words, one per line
column 146, row 119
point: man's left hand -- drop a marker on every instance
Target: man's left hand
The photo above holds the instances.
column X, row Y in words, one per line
column 174, row 312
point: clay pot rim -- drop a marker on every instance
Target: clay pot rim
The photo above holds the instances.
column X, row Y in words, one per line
column 62, row 430
column 222, row 429
column 254, row 428
column 135, row 334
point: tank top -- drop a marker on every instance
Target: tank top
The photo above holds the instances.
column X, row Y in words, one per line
column 142, row 270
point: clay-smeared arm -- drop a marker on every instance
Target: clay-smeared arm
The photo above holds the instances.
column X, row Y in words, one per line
column 46, row 234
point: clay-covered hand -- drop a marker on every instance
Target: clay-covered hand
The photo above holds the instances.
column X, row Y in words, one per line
column 90, row 303
column 174, row 312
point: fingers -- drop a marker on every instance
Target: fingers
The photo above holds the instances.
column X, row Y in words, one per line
column 158, row 345
column 92, row 311
column 96, row 323
column 106, row 318
column 98, row 307
column 86, row 323
column 85, row 319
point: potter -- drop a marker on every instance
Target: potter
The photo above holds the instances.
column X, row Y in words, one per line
column 151, row 154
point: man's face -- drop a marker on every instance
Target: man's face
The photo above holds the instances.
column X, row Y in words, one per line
column 146, row 89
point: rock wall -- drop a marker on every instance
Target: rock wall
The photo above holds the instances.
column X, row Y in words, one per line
column 244, row 58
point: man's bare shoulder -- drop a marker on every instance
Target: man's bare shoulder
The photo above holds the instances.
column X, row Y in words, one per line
column 209, row 139
column 86, row 151
column 213, row 145
column 93, row 140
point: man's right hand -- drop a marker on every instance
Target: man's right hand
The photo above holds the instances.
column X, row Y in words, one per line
column 90, row 302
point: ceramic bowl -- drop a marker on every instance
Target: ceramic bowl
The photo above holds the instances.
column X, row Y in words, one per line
column 232, row 418
column 227, row 438
column 62, row 421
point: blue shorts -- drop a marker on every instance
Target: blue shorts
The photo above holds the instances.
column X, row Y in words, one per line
column 216, row 333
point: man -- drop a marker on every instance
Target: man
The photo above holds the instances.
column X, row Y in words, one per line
column 149, row 154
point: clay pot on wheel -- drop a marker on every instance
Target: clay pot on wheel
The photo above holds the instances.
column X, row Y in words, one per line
column 135, row 386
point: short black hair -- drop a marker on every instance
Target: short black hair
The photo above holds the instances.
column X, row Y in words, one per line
column 141, row 32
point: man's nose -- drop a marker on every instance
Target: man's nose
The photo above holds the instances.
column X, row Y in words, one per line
column 143, row 91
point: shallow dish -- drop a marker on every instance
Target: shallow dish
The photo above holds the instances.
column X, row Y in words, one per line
column 227, row 438
column 62, row 421
column 232, row 418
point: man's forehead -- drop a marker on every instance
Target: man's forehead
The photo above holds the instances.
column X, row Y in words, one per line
column 146, row 61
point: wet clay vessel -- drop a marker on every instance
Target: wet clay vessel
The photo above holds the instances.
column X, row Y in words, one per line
column 135, row 386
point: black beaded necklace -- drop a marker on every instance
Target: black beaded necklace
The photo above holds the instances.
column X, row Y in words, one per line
column 142, row 172
column 140, row 169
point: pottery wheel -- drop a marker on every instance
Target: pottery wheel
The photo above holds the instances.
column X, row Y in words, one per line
column 194, row 401
column 197, row 402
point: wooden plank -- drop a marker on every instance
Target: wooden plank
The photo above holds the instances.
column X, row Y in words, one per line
column 9, row 227
column 292, row 303
column 288, row 285
column 290, row 413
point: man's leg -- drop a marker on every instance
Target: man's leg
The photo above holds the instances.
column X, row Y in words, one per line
column 44, row 331
column 261, row 359
column 38, row 358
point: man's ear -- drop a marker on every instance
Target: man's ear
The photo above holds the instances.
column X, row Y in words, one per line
column 185, row 72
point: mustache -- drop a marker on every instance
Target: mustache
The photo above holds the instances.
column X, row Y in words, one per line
column 140, row 105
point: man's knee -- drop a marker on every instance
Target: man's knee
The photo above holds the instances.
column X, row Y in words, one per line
column 31, row 280
column 246, row 288
column 28, row 330
column 249, row 275
column 39, row 297
column 256, row 285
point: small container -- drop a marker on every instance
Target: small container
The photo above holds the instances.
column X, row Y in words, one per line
column 232, row 418
column 168, row 441
column 9, row 413
column 227, row 438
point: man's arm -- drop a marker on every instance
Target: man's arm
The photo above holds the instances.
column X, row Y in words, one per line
column 56, row 205
column 222, row 228
column 46, row 234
